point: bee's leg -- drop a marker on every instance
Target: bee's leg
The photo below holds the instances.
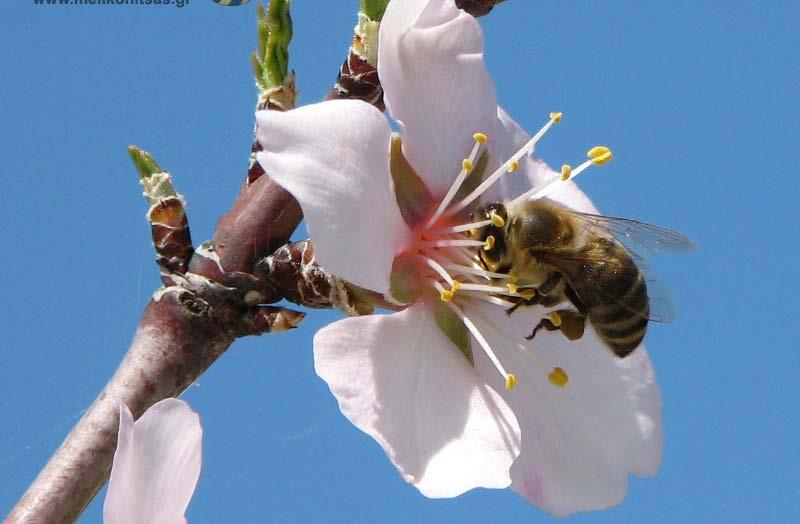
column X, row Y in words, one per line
column 516, row 306
column 571, row 323
column 545, row 323
column 576, row 301
column 550, row 284
column 540, row 297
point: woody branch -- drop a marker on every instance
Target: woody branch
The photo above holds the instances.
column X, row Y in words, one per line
column 221, row 290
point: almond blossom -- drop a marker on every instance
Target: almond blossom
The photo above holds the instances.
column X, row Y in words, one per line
column 156, row 465
column 449, row 387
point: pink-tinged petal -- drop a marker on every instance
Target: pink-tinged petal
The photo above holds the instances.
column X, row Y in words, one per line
column 334, row 158
column 579, row 442
column 156, row 465
column 532, row 171
column 430, row 61
column 400, row 380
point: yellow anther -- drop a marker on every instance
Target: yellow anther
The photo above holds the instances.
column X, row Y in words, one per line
column 511, row 381
column 512, row 287
column 555, row 318
column 496, row 219
column 489, row 243
column 446, row 295
column 513, row 166
column 558, row 377
column 556, row 117
column 473, row 232
column 456, row 286
column 566, row 171
column 599, row 155
column 467, row 166
column 480, row 138
column 527, row 294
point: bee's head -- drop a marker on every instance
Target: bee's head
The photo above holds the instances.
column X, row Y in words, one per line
column 495, row 258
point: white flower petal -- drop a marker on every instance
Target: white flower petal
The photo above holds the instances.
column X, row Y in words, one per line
column 430, row 61
column 156, row 465
column 333, row 157
column 580, row 442
column 399, row 379
column 532, row 171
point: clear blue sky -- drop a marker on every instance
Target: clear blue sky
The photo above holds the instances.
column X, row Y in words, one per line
column 698, row 100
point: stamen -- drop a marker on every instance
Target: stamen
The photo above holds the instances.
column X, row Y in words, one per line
column 489, row 243
column 475, row 271
column 483, row 343
column 445, row 295
column 480, row 138
column 602, row 155
column 452, row 243
column 438, row 268
column 457, row 254
column 558, row 377
column 465, row 227
column 566, row 171
column 494, row 300
column 512, row 287
column 500, row 290
column 467, row 163
column 506, row 167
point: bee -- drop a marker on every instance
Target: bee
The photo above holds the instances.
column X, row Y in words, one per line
column 554, row 255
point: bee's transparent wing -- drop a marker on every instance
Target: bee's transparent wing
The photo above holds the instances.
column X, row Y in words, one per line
column 638, row 235
column 640, row 238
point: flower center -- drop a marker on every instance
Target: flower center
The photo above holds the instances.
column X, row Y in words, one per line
column 448, row 251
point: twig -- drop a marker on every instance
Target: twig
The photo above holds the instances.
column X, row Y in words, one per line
column 218, row 292
column 210, row 298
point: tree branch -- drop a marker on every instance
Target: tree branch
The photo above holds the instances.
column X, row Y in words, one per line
column 217, row 292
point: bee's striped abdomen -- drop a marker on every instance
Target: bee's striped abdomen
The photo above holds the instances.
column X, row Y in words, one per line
column 622, row 323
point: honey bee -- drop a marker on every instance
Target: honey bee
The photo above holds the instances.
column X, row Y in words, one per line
column 554, row 255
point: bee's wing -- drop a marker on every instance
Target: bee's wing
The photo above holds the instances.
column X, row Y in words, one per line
column 637, row 235
column 661, row 308
column 640, row 238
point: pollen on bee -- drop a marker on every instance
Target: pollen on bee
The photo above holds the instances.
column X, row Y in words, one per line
column 489, row 243
column 467, row 165
column 556, row 117
column 566, row 171
column 513, row 166
column 480, row 138
column 512, row 287
column 558, row 377
column 511, row 381
column 555, row 318
column 496, row 219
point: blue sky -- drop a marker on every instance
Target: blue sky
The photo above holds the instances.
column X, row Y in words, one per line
column 698, row 100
